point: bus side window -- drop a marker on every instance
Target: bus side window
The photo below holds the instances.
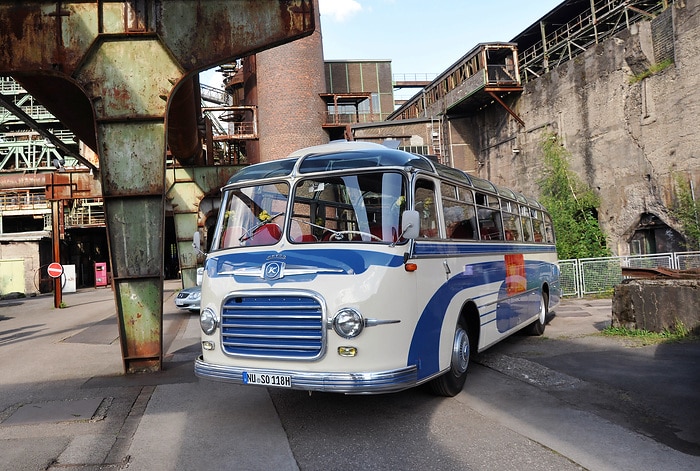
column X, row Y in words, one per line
column 490, row 223
column 458, row 209
column 538, row 226
column 490, row 226
column 511, row 226
column 527, row 227
column 425, row 205
column 549, row 231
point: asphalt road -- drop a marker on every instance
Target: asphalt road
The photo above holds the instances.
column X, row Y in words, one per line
column 571, row 399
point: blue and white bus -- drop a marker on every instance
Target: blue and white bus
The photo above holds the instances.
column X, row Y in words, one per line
column 355, row 268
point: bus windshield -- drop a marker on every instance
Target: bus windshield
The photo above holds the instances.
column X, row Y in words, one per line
column 252, row 215
column 359, row 207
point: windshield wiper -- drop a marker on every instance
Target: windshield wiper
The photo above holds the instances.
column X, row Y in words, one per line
column 251, row 232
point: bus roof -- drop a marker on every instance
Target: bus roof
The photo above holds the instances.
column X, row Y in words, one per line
column 348, row 155
column 334, row 156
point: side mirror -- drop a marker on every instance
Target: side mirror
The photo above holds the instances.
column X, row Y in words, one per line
column 197, row 243
column 410, row 224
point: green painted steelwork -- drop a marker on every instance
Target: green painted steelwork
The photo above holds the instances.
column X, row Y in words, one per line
column 128, row 58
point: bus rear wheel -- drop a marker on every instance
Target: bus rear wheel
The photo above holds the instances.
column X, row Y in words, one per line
column 537, row 327
column 451, row 383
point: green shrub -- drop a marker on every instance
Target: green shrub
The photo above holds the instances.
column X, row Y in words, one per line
column 572, row 204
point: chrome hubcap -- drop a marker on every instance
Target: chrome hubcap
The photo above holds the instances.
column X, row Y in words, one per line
column 543, row 311
column 460, row 352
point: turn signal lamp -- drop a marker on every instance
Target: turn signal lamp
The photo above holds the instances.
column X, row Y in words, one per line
column 207, row 345
column 347, row 351
column 410, row 267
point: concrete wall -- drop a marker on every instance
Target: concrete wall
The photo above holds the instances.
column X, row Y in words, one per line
column 627, row 139
column 10, row 278
column 657, row 305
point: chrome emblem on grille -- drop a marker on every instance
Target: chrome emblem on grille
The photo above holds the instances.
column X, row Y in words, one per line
column 273, row 270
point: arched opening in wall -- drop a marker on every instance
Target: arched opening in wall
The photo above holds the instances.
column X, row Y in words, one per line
column 652, row 235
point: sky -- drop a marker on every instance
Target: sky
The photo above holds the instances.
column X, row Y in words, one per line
column 418, row 36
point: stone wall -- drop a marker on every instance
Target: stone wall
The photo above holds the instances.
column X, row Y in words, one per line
column 628, row 139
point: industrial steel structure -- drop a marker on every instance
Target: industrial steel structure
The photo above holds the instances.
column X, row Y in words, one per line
column 127, row 75
column 574, row 26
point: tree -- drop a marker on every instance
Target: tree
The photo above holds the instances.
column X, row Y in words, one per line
column 687, row 211
column 571, row 203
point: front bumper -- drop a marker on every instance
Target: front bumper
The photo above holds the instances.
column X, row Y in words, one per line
column 188, row 306
column 348, row 383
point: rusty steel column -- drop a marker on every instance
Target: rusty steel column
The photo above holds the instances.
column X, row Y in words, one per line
column 129, row 82
column 129, row 58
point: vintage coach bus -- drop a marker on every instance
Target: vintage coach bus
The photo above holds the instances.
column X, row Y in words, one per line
column 355, row 268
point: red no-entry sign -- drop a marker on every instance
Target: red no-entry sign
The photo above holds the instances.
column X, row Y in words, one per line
column 55, row 270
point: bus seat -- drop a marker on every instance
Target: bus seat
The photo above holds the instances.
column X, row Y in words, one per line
column 378, row 231
column 265, row 235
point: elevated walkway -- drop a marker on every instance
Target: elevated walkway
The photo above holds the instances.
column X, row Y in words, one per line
column 486, row 73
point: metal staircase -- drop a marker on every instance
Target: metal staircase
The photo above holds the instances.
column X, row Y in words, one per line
column 23, row 149
column 436, row 138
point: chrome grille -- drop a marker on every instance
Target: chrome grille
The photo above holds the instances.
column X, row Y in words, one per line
column 280, row 326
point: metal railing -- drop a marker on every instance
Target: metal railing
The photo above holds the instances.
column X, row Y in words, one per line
column 22, row 200
column 583, row 276
column 86, row 212
column 602, row 19
column 413, row 77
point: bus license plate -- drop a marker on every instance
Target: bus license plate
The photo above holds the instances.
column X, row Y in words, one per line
column 267, row 379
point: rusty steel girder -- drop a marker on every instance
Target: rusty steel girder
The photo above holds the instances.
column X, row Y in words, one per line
column 109, row 70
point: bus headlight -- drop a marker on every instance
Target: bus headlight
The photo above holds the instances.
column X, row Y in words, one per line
column 208, row 321
column 348, row 323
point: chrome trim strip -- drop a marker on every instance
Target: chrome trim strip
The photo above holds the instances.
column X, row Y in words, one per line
column 348, row 383
column 375, row 322
column 289, row 270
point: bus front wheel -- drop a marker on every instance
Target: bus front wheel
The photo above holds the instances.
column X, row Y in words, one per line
column 451, row 383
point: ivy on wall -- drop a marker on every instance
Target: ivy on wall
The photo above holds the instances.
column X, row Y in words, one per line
column 572, row 204
column 686, row 209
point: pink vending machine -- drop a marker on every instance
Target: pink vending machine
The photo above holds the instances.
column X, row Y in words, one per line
column 100, row 274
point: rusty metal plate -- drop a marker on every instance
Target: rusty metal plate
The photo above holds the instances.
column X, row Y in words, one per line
column 135, row 229
column 129, row 78
column 213, row 32
column 132, row 158
column 57, row 36
column 141, row 303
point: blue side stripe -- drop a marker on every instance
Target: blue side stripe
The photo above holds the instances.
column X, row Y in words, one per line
column 470, row 248
column 424, row 349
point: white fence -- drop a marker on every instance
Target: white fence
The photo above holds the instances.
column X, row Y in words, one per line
column 583, row 276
